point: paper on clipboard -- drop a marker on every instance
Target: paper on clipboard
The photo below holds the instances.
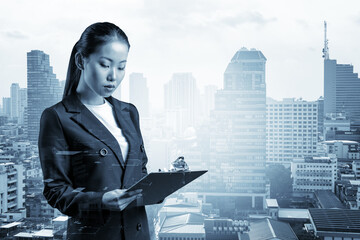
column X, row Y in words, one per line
column 158, row 185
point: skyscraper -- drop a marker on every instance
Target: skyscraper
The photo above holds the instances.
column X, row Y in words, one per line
column 15, row 101
column 6, row 106
column 181, row 101
column 341, row 88
column 43, row 89
column 139, row 93
column 22, row 105
column 238, row 134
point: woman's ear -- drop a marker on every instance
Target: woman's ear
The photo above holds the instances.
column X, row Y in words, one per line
column 79, row 61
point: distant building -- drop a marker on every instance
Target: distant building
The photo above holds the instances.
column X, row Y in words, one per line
column 22, row 105
column 348, row 191
column 341, row 89
column 267, row 229
column 320, row 103
column 43, row 90
column 183, row 226
column 139, row 93
column 291, row 130
column 224, row 228
column 314, row 173
column 238, row 136
column 11, row 187
column 15, row 101
column 327, row 199
column 334, row 123
column 208, row 99
column 6, row 106
column 345, row 151
column 182, row 99
column 335, row 223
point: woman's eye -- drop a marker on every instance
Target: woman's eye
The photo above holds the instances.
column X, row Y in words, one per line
column 121, row 68
column 104, row 65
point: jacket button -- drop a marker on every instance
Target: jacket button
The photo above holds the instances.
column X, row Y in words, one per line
column 103, row 152
column 138, row 226
column 142, row 149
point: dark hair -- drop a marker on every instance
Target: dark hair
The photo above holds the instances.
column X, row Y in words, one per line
column 94, row 36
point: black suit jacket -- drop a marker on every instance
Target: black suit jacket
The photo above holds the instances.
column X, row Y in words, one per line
column 81, row 160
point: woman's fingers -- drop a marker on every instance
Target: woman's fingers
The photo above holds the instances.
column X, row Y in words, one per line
column 120, row 198
column 123, row 203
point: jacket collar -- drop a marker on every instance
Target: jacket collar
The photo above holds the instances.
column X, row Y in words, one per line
column 82, row 116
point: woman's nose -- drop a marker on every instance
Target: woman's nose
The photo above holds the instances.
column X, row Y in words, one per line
column 112, row 75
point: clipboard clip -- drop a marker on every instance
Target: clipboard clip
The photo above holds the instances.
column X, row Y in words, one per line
column 179, row 165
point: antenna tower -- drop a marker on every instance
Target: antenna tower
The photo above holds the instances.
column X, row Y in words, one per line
column 326, row 43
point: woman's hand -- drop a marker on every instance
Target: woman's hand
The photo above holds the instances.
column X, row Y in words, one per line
column 119, row 199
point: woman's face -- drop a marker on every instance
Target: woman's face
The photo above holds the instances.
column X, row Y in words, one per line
column 104, row 69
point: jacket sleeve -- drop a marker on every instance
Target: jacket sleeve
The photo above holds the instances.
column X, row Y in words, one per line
column 57, row 173
column 136, row 120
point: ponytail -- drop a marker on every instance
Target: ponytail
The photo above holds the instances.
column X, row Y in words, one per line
column 73, row 75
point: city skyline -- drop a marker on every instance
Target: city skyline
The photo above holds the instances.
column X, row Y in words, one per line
column 169, row 37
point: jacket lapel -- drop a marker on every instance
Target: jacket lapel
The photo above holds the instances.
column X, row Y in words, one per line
column 83, row 117
column 123, row 115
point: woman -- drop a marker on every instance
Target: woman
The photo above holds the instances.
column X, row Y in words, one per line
column 90, row 145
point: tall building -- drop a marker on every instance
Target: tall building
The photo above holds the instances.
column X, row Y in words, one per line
column 291, row 129
column 238, row 135
column 139, row 93
column 320, row 104
column 341, row 88
column 208, row 99
column 6, row 106
column 181, row 102
column 15, row 101
column 43, row 90
column 22, row 105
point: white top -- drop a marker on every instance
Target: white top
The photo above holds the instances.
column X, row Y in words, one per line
column 104, row 112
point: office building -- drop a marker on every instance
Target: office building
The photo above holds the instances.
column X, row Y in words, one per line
column 238, row 135
column 314, row 173
column 6, row 106
column 181, row 98
column 341, row 88
column 11, row 187
column 208, row 100
column 139, row 93
column 15, row 101
column 43, row 90
column 291, row 129
column 320, row 105
column 22, row 105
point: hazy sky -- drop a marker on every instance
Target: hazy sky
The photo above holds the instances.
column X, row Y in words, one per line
column 198, row 36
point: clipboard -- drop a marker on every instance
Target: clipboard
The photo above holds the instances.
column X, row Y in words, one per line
column 156, row 186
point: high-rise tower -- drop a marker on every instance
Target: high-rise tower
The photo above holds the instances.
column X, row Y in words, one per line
column 43, row 90
column 139, row 93
column 341, row 88
column 238, row 134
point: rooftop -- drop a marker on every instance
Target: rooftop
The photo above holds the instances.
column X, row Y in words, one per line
column 272, row 203
column 327, row 199
column 293, row 213
column 183, row 223
column 245, row 54
column 61, row 219
column 335, row 220
column 9, row 225
column 271, row 229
